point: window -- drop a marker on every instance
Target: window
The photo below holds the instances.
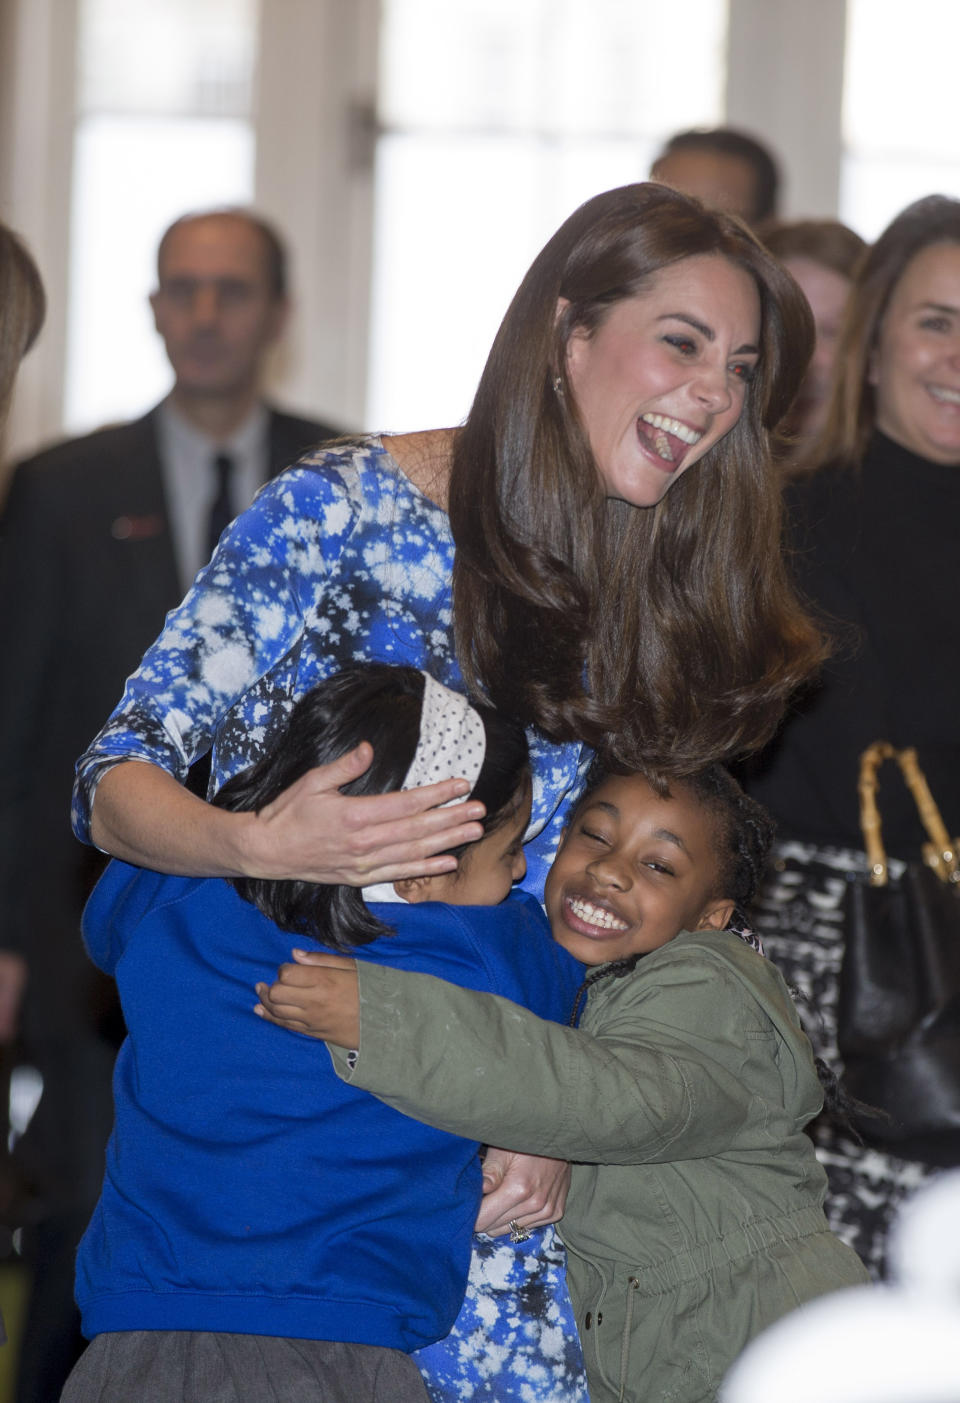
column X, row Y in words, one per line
column 164, row 125
column 499, row 117
column 899, row 110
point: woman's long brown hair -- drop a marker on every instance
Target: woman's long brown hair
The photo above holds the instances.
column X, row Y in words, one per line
column 667, row 637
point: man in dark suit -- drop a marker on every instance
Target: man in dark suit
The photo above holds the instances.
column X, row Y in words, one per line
column 99, row 537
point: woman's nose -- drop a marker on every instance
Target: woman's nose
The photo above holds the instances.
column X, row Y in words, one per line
column 713, row 388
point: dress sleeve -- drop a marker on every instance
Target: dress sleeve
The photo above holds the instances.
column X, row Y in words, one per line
column 639, row 1088
column 242, row 616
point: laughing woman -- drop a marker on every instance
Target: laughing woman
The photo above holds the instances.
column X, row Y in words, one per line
column 596, row 550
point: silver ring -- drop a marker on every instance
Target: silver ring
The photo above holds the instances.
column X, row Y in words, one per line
column 517, row 1233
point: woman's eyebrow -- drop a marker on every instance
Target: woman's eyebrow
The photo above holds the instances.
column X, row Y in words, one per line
column 938, row 307
column 707, row 332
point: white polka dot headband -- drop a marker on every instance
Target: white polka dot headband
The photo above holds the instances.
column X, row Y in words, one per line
column 452, row 741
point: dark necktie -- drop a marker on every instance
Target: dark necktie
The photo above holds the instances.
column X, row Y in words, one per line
column 221, row 505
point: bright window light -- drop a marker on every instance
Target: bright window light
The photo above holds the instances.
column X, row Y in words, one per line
column 164, row 126
column 499, row 117
column 900, row 108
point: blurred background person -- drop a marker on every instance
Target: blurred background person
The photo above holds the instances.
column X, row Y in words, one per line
column 725, row 168
column 22, row 311
column 99, row 537
column 822, row 254
column 875, row 529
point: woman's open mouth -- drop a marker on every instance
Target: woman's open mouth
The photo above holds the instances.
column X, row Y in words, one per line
column 669, row 439
column 943, row 394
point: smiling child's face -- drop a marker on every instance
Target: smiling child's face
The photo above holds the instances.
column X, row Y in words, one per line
column 633, row 871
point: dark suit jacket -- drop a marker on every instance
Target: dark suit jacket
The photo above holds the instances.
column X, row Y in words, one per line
column 87, row 573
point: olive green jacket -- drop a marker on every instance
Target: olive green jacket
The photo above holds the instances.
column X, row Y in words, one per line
column 694, row 1217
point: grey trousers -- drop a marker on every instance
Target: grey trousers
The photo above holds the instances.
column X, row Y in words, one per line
column 181, row 1366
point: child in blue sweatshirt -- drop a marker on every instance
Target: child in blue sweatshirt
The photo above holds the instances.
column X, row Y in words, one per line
column 264, row 1230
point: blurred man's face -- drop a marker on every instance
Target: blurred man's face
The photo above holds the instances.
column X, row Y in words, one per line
column 721, row 181
column 215, row 307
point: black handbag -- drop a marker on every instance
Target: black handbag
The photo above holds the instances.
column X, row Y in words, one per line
column 898, row 1028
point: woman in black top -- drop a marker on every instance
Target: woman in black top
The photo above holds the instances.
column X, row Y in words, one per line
column 875, row 531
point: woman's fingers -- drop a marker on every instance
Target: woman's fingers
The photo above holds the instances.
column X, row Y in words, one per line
column 312, row 832
column 528, row 1190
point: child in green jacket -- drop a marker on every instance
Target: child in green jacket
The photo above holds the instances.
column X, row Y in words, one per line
column 695, row 1215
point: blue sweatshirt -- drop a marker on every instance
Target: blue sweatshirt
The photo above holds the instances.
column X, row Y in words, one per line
column 247, row 1188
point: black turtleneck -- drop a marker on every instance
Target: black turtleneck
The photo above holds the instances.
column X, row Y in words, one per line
column 877, row 549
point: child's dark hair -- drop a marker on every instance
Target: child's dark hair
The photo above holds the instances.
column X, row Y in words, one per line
column 744, row 833
column 373, row 702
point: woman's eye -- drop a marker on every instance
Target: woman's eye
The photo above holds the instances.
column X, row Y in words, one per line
column 744, row 370
column 936, row 323
column 683, row 344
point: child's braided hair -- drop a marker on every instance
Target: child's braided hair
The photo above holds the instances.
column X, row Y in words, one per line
column 745, row 832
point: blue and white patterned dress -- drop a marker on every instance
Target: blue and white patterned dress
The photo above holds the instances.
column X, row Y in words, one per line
column 342, row 559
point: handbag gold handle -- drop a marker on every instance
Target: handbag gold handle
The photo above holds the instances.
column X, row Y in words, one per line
column 940, row 852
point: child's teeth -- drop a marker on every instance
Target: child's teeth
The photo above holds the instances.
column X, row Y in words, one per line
column 595, row 915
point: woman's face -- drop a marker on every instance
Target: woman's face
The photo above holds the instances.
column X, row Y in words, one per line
column 915, row 368
column 665, row 375
column 827, row 292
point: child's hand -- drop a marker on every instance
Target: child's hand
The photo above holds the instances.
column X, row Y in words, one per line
column 318, row 995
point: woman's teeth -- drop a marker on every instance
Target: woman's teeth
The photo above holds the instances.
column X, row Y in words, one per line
column 595, row 915
column 672, row 426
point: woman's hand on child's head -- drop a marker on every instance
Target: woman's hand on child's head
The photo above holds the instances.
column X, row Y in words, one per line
column 313, row 833
column 318, row 995
column 524, row 1191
